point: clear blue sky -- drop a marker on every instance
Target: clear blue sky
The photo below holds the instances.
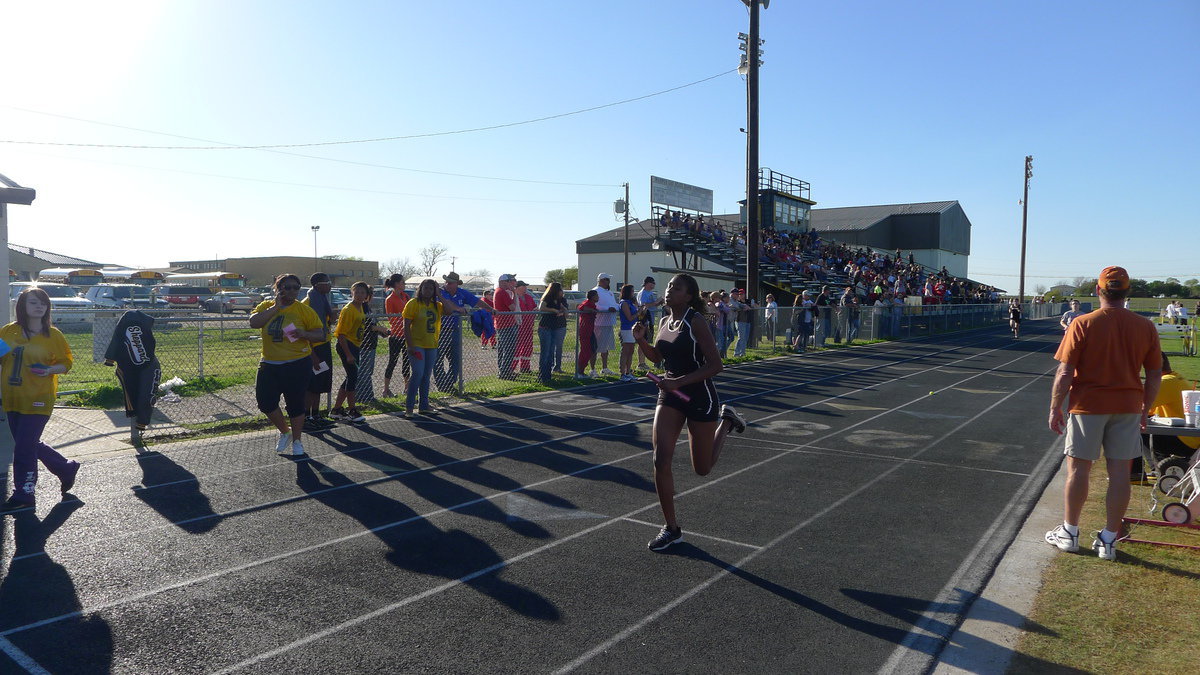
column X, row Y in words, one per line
column 871, row 102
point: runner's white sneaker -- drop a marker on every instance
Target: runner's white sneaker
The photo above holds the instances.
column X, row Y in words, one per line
column 606, row 371
column 1065, row 541
column 281, row 445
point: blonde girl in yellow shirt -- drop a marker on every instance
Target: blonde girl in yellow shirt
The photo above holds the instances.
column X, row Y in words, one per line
column 28, row 385
column 422, row 326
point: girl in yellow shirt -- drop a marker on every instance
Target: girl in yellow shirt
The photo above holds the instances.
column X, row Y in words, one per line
column 353, row 326
column 28, row 386
column 422, row 325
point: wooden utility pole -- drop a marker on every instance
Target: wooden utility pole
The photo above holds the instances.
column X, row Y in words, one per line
column 752, row 211
column 1024, row 225
column 625, row 279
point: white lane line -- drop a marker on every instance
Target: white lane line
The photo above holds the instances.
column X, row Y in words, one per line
column 288, row 554
column 24, row 660
column 854, row 454
column 386, row 477
column 314, row 637
column 727, row 570
column 930, row 633
column 692, row 533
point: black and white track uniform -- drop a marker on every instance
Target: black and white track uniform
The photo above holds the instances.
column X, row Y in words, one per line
column 682, row 356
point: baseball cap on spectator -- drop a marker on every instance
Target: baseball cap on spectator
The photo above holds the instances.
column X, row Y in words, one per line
column 522, row 283
column 1114, row 278
column 603, row 275
column 508, row 277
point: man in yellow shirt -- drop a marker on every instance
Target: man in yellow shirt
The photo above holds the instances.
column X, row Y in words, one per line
column 1169, row 403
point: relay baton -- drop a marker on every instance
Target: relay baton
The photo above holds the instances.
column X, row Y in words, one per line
column 656, row 379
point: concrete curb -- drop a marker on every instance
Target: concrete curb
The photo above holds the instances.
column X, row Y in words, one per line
column 986, row 641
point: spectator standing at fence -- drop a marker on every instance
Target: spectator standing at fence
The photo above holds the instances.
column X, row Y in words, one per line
column 897, row 313
column 851, row 307
column 321, row 382
column 606, row 308
column 354, row 327
column 647, row 300
column 525, row 303
column 743, row 316
column 1070, row 315
column 802, row 321
column 1101, row 358
column 586, row 334
column 486, row 309
column 689, row 352
column 552, row 330
column 505, row 301
column 289, row 329
column 821, row 328
column 393, row 305
column 422, row 330
column 628, row 313
column 36, row 354
column 447, row 369
column 771, row 316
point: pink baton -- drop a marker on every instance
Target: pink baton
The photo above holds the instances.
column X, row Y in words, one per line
column 656, row 379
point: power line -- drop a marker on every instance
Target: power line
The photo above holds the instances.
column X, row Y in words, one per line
column 432, row 134
column 326, row 159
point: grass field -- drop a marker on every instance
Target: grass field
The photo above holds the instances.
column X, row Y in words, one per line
column 1136, row 615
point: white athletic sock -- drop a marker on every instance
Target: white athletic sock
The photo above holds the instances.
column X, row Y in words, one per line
column 1108, row 537
column 1072, row 530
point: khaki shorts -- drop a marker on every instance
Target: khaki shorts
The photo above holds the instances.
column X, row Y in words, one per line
column 1119, row 436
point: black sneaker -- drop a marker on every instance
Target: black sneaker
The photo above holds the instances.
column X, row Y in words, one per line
column 311, row 425
column 324, row 422
column 738, row 422
column 665, row 538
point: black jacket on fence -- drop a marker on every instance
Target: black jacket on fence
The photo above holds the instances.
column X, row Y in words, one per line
column 131, row 349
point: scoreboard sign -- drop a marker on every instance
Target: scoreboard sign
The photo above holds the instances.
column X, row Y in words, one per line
column 680, row 195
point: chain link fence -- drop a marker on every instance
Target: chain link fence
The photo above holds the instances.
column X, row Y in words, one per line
column 207, row 362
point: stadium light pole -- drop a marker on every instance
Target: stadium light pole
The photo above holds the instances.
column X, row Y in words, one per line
column 315, row 228
column 1024, row 225
column 752, row 211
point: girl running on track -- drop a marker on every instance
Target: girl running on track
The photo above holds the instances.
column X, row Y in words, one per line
column 29, row 385
column 687, row 346
column 1014, row 318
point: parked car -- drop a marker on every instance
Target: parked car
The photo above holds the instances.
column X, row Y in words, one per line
column 66, row 307
column 228, row 302
column 573, row 298
column 123, row 296
column 185, row 296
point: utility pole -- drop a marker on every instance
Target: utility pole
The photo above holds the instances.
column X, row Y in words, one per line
column 752, row 210
column 1024, row 225
column 625, row 279
column 315, row 228
column 452, row 261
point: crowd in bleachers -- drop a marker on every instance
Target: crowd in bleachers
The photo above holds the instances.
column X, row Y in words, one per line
column 871, row 273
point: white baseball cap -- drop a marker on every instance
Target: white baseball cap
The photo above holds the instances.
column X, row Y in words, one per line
column 603, row 275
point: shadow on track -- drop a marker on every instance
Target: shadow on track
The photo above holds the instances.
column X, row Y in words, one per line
column 182, row 503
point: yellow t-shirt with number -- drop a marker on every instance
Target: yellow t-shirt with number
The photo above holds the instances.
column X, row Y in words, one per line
column 350, row 324
column 276, row 347
column 21, row 390
column 426, row 322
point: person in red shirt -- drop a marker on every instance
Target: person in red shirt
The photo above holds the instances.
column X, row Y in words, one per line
column 587, row 332
column 397, row 347
column 505, row 300
column 526, row 322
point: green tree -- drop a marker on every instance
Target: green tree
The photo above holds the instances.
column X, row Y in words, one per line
column 566, row 276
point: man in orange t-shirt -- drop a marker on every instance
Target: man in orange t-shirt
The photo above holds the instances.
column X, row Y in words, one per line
column 1101, row 359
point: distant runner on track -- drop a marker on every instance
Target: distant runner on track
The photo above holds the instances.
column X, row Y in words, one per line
column 687, row 346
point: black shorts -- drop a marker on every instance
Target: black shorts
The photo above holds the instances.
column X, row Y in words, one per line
column 289, row 380
column 704, row 405
column 323, row 383
column 351, row 381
